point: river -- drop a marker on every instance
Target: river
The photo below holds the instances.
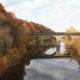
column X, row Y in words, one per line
column 47, row 69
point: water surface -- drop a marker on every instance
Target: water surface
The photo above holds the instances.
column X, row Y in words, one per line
column 52, row 69
column 46, row 69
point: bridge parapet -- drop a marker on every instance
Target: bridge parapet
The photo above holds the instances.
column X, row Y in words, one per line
column 56, row 33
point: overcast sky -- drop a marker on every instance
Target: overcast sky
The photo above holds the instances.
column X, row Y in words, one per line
column 55, row 14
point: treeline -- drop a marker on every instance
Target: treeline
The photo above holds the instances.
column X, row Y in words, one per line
column 71, row 30
column 14, row 31
column 14, row 37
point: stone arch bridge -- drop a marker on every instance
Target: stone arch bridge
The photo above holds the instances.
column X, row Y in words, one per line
column 58, row 36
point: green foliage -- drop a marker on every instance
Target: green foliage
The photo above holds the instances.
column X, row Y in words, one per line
column 5, row 23
column 31, row 43
column 22, row 49
column 68, row 38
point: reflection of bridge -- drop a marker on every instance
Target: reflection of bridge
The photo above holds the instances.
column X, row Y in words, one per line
column 50, row 56
column 58, row 36
column 55, row 54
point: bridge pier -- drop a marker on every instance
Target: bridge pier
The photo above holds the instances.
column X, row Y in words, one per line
column 58, row 48
column 58, row 43
column 42, row 52
column 42, row 38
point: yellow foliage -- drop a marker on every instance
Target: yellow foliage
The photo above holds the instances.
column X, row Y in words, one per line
column 33, row 42
column 71, row 30
column 22, row 49
column 78, row 46
column 5, row 60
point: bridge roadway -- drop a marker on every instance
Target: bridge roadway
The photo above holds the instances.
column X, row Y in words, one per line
column 54, row 33
column 56, row 54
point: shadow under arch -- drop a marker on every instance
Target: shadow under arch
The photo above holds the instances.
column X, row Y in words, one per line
column 54, row 38
column 63, row 38
column 68, row 37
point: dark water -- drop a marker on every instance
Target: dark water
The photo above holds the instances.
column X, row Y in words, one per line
column 45, row 69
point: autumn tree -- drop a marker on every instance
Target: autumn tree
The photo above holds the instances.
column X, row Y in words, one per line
column 71, row 30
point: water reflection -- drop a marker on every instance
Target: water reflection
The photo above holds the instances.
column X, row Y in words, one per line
column 48, row 69
column 50, row 51
column 16, row 72
column 62, row 47
column 52, row 69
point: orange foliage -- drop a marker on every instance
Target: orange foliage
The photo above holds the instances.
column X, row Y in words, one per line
column 20, row 28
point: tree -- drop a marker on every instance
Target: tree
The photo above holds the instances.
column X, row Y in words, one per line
column 71, row 30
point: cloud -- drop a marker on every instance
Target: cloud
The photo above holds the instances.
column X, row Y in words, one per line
column 73, row 2
column 54, row 69
column 56, row 14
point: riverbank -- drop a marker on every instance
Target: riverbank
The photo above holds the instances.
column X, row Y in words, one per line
column 74, row 44
column 14, row 36
column 16, row 70
column 5, row 68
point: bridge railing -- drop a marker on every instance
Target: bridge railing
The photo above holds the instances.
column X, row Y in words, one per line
column 53, row 33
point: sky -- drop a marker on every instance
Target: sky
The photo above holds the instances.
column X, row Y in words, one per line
column 55, row 14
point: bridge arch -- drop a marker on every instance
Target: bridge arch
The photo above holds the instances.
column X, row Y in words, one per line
column 64, row 37
column 58, row 36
